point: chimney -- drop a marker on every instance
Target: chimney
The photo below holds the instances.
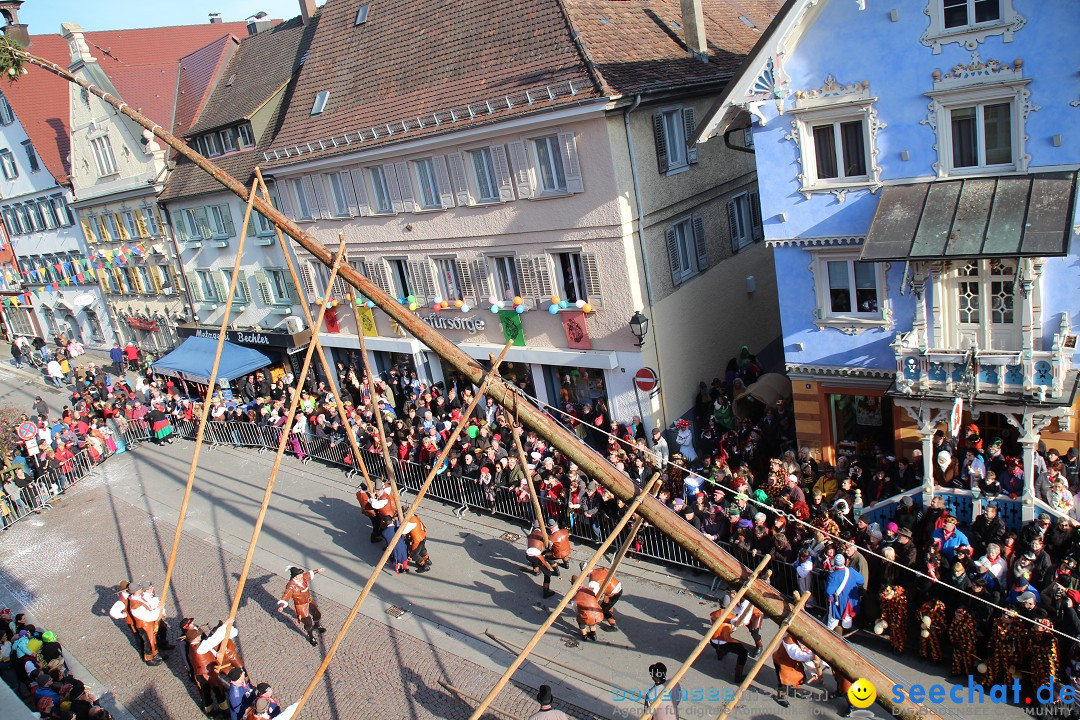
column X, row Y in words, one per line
column 215, row 18
column 307, row 9
column 257, row 23
column 693, row 22
column 13, row 29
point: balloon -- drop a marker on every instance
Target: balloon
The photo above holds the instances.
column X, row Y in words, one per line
column 472, row 431
column 401, row 301
column 492, row 299
column 334, row 303
column 580, row 304
column 563, row 304
column 438, row 300
column 466, row 308
column 371, row 304
column 436, row 307
column 413, row 306
column 495, row 308
column 555, row 299
column 359, row 301
column 459, row 303
column 586, row 308
column 444, row 304
column 553, row 309
column 411, row 299
column 520, row 309
column 517, row 300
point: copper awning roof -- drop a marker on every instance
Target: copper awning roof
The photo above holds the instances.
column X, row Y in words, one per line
column 1008, row 215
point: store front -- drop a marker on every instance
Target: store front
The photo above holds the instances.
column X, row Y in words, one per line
column 285, row 350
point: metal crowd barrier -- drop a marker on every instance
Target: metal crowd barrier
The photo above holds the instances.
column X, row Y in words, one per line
column 39, row 493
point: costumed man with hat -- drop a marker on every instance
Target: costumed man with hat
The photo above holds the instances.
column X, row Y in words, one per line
column 201, row 657
column 416, row 540
column 298, row 589
column 589, row 613
column 723, row 643
column 559, row 549
column 384, row 504
column 668, row 707
column 546, row 712
column 143, row 613
column 536, row 552
column 791, row 661
column 364, row 498
column 608, row 590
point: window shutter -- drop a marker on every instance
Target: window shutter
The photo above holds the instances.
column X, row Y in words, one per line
column 155, row 277
column 458, row 179
column 673, row 255
column 689, row 126
column 136, row 280
column 446, row 192
column 591, row 268
column 219, row 287
column 264, row 287
column 468, row 289
column 244, row 288
column 356, row 192
column 480, row 279
column 318, row 196
column 194, row 286
column 542, row 275
column 404, row 183
column 519, row 161
column 285, row 203
column 661, row 142
column 571, row 165
column 423, row 283
column 700, row 246
column 308, row 280
column 121, row 228
column 103, row 229
column 104, row 283
column 140, row 225
column 390, row 175
column 733, row 226
column 87, row 229
column 526, row 278
column 376, row 270
column 755, row 216
column 120, row 287
column 226, row 220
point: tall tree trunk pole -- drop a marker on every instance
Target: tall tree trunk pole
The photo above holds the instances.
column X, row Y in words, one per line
column 828, row 645
column 524, row 462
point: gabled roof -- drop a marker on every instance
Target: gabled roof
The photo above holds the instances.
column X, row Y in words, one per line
column 142, row 64
column 198, row 72
column 637, row 45
column 468, row 62
column 262, row 64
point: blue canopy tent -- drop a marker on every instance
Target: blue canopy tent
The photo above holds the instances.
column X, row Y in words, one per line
column 194, row 358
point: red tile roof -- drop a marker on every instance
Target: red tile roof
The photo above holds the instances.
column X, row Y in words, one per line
column 142, row 64
column 637, row 45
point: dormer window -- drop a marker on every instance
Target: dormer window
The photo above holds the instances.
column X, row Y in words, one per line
column 320, row 102
column 361, row 14
column 209, row 145
column 228, row 139
column 246, row 136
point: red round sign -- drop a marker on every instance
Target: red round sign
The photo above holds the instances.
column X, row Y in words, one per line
column 646, row 379
column 27, row 431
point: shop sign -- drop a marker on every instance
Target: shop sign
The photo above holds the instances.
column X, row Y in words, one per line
column 248, row 337
column 452, row 322
column 140, row 324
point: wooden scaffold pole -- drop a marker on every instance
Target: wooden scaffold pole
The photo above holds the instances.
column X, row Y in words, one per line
column 515, row 431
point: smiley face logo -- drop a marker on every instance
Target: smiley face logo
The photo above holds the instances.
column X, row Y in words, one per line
column 862, row 693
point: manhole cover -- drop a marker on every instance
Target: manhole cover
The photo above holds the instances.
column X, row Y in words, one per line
column 395, row 612
column 510, row 537
column 570, row 642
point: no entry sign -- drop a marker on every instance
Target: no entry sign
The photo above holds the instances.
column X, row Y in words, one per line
column 646, row 379
column 27, row 431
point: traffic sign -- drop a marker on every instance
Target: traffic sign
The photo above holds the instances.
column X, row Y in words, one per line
column 956, row 417
column 27, row 431
column 646, row 379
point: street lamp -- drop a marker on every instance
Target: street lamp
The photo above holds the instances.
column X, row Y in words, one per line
column 639, row 326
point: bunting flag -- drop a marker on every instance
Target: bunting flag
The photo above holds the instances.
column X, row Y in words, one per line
column 29, row 297
column 66, row 281
column 55, row 286
column 15, row 300
column 80, row 277
column 90, row 273
column 59, row 267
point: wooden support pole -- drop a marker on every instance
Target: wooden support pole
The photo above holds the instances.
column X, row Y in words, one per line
column 391, row 471
column 205, row 414
column 707, row 637
column 635, row 528
column 524, row 462
column 282, row 442
column 828, row 645
column 764, row 657
column 349, row 433
column 606, row 684
column 565, row 599
column 492, row 374
column 470, row 698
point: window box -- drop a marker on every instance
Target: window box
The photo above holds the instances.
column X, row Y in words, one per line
column 265, row 241
column 220, row 243
column 969, row 22
column 281, row 310
column 851, row 295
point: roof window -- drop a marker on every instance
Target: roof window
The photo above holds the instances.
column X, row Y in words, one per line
column 361, row 14
column 320, row 102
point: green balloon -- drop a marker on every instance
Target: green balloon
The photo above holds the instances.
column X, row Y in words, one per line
column 411, row 299
column 472, row 432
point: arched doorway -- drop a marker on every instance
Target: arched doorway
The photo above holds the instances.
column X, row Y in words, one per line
column 73, row 330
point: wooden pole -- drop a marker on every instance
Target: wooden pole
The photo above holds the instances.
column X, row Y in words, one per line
column 205, row 414
column 825, row 643
column 627, row 544
column 282, row 442
column 707, row 637
column 577, row 671
column 327, row 370
column 491, row 375
column 564, row 600
column 760, row 662
column 524, row 462
column 391, row 471
column 467, row 696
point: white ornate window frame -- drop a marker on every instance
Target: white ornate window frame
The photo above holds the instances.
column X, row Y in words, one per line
column 848, row 323
column 969, row 36
column 835, row 102
column 979, row 82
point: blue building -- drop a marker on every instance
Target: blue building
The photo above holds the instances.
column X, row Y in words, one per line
column 917, row 165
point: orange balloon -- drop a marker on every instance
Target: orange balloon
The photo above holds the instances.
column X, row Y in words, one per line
column 517, row 300
column 586, row 308
column 459, row 303
column 445, row 304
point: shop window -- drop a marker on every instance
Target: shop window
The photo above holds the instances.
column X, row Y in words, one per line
column 577, row 386
column 850, row 293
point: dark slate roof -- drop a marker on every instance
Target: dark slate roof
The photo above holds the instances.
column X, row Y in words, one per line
column 260, row 67
column 198, row 72
column 637, row 45
column 1003, row 216
column 188, row 180
column 415, row 58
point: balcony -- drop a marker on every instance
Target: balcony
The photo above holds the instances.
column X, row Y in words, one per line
column 1044, row 376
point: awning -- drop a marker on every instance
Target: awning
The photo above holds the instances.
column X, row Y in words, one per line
column 1003, row 216
column 194, row 358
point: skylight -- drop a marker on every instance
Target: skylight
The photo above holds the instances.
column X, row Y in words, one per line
column 320, row 102
column 361, row 14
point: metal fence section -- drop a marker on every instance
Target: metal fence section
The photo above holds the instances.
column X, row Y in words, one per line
column 38, row 495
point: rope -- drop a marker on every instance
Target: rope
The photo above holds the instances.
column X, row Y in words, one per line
column 793, row 518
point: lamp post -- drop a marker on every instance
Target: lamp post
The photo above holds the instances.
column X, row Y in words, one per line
column 639, row 326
